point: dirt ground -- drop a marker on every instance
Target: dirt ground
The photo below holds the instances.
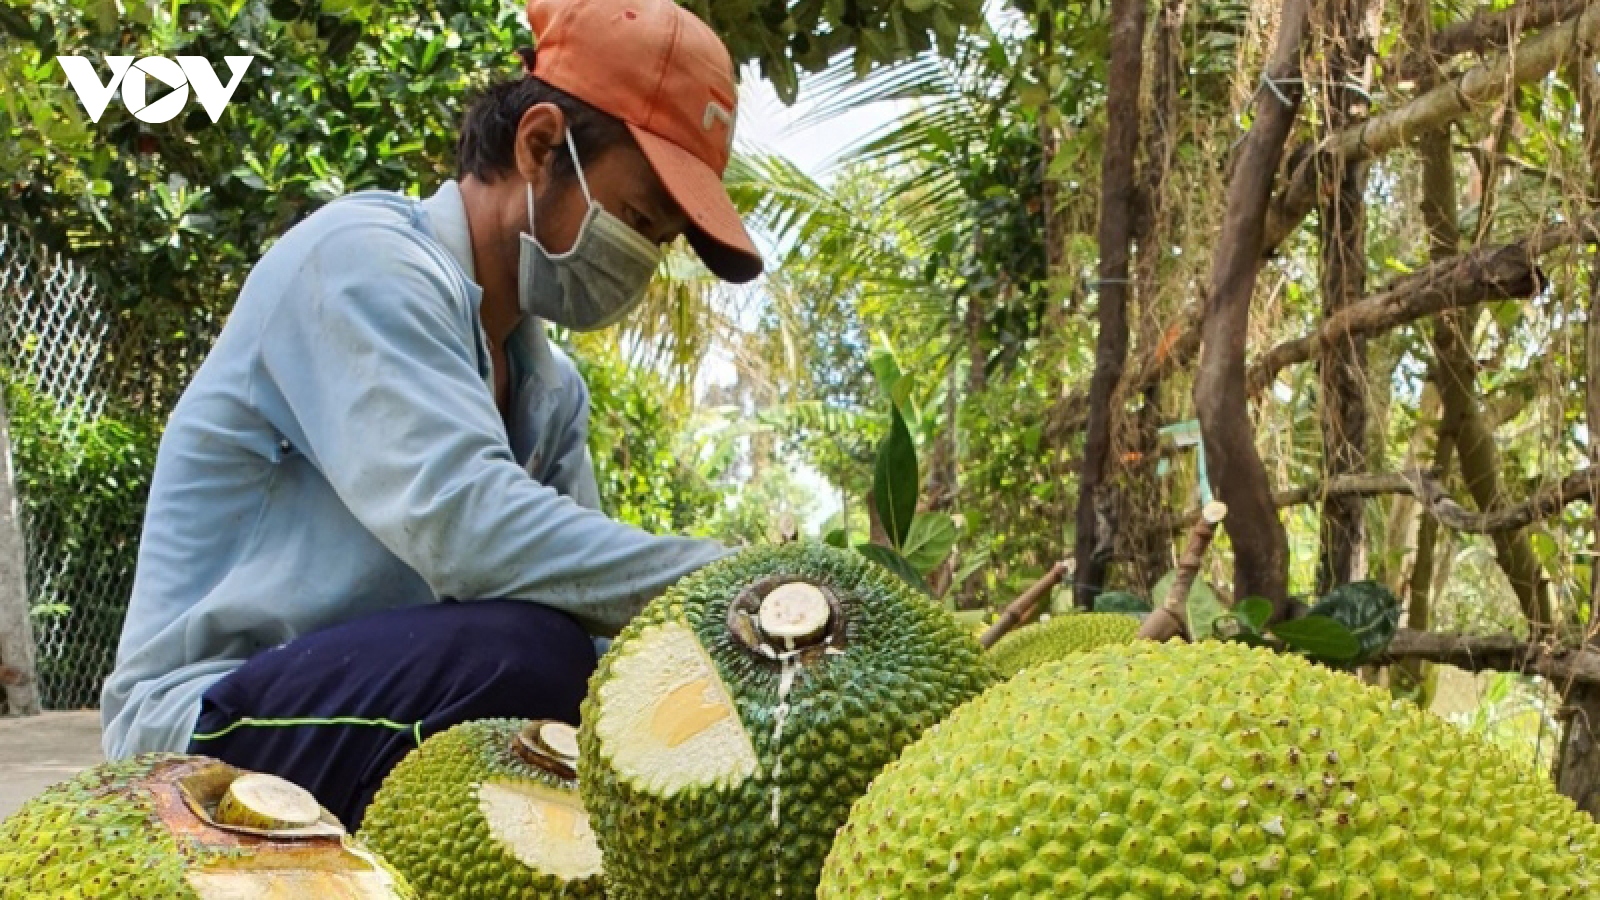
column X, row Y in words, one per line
column 39, row 751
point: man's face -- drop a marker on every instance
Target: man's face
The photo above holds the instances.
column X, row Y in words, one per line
column 622, row 182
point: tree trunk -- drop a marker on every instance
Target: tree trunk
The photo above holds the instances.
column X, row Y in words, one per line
column 1439, row 214
column 17, row 672
column 1343, row 368
column 1456, row 375
column 1260, row 546
column 977, row 358
column 1117, row 209
column 1578, row 771
column 1140, row 507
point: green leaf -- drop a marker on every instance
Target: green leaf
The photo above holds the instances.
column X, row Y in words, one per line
column 895, row 563
column 894, row 481
column 1121, row 602
column 929, row 541
column 1368, row 610
column 1319, row 637
column 838, row 537
column 970, row 564
column 1253, row 613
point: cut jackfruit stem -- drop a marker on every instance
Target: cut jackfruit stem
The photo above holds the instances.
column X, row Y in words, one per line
column 267, row 802
column 548, row 745
column 796, row 613
column 559, row 738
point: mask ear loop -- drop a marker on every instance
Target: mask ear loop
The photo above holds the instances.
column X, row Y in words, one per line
column 578, row 167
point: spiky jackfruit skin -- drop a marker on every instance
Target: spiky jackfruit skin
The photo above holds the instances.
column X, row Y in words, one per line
column 426, row 819
column 1059, row 638
column 1206, row 771
column 99, row 836
column 90, row 835
column 904, row 665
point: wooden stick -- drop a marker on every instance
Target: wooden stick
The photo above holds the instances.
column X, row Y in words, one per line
column 1168, row 620
column 1021, row 608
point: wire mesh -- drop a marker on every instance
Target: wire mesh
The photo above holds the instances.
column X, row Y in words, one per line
column 84, row 420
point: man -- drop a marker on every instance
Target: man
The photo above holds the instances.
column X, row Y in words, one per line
column 383, row 426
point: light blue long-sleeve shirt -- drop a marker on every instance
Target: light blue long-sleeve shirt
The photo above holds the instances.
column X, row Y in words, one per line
column 340, row 453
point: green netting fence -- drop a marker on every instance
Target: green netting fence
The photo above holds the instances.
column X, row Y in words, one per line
column 87, row 386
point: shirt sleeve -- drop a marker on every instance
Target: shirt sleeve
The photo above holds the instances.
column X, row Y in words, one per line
column 373, row 358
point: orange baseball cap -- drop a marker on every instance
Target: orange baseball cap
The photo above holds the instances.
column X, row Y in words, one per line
column 661, row 70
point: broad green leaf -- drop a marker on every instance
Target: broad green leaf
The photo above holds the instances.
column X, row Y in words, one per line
column 1368, row 610
column 838, row 537
column 895, row 563
column 929, row 541
column 894, row 481
column 1319, row 637
column 1121, row 602
column 1253, row 612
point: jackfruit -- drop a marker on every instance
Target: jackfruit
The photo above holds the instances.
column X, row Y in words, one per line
column 1059, row 637
column 488, row 809
column 1206, row 771
column 733, row 722
column 156, row 828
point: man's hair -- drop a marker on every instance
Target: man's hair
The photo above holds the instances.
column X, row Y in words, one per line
column 487, row 149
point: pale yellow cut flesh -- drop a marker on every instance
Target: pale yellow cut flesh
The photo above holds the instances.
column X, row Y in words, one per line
column 279, row 885
column 353, row 875
column 794, row 611
column 666, row 719
column 267, row 802
column 546, row 829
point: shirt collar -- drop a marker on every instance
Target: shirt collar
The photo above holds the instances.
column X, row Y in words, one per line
column 448, row 214
column 528, row 346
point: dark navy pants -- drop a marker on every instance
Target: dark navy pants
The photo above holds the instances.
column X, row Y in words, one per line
column 335, row 710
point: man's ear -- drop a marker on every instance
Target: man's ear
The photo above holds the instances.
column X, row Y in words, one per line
column 539, row 135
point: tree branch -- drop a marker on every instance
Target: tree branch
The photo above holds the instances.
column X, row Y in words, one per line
column 1500, row 653
column 1549, row 500
column 1488, row 273
column 1486, row 31
column 1533, row 59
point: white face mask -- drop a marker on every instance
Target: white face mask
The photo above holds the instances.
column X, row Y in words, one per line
column 600, row 280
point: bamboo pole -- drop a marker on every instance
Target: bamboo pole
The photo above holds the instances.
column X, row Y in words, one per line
column 1023, row 607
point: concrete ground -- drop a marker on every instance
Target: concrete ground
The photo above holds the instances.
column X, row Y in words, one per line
column 38, row 751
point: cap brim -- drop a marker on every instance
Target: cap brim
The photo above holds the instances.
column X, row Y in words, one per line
column 715, row 230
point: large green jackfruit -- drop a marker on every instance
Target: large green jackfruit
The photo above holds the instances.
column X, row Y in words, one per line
column 1060, row 637
column 156, row 827
column 1207, row 771
column 488, row 809
column 733, row 722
